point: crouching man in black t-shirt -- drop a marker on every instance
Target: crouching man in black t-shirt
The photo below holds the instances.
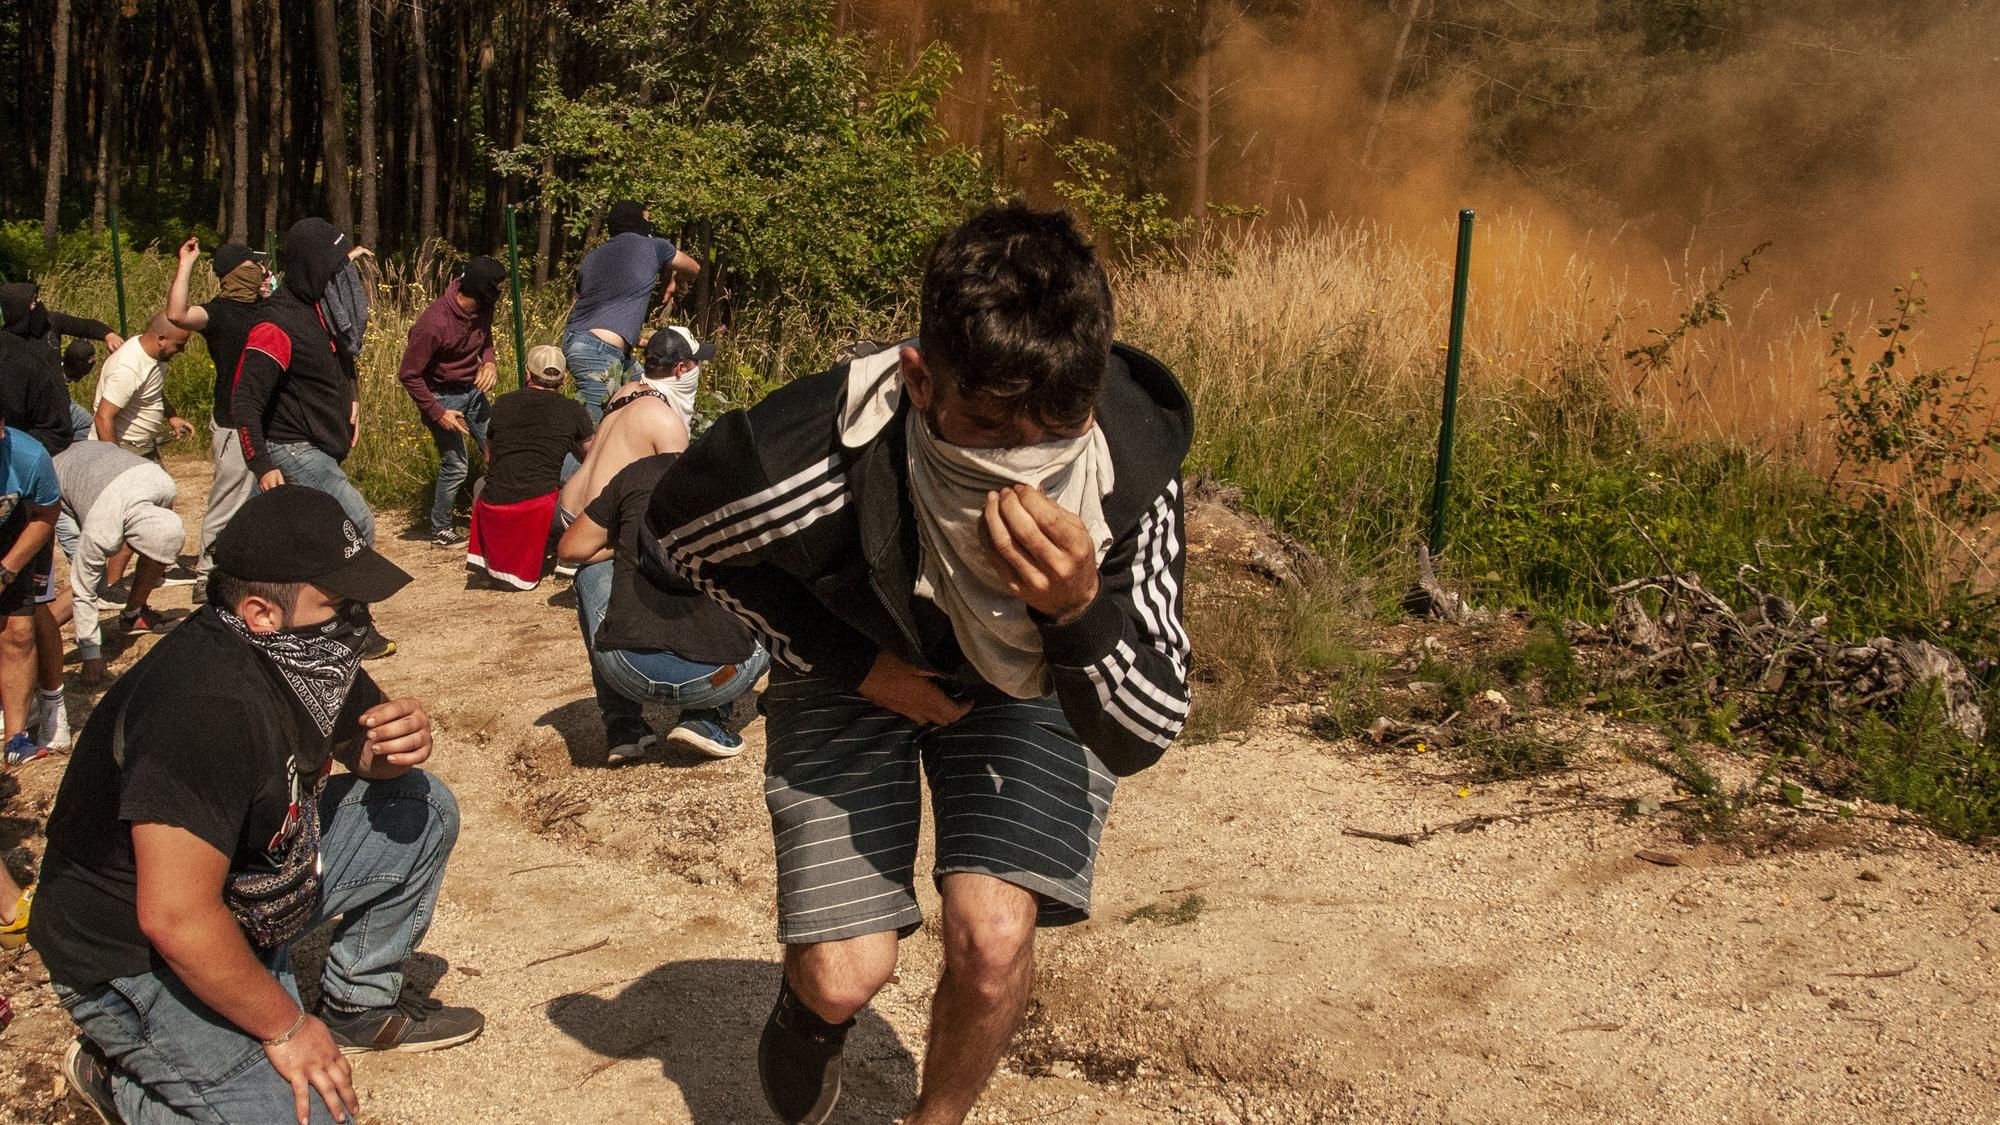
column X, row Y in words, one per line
column 197, row 834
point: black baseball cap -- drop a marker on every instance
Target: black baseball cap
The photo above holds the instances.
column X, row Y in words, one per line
column 229, row 255
column 292, row 533
column 674, row 345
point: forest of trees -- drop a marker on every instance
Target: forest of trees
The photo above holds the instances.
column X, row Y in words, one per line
column 818, row 143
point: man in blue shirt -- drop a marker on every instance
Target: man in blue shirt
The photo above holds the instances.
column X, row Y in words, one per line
column 29, row 495
column 615, row 284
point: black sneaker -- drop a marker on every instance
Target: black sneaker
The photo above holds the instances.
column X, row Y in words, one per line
column 180, row 576
column 378, row 646
column 144, row 620
column 627, row 741
column 798, row 1061
column 413, row 1023
column 89, row 1074
column 449, row 537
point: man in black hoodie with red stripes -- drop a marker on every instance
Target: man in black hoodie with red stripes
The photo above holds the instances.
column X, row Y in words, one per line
column 296, row 400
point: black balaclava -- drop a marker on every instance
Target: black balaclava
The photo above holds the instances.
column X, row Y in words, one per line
column 481, row 280
column 19, row 312
column 315, row 250
column 628, row 217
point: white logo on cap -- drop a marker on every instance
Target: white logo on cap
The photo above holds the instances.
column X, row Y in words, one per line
column 354, row 544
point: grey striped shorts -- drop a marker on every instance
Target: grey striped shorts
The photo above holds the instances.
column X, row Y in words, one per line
column 1013, row 793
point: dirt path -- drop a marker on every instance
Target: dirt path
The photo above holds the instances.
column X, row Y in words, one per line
column 1275, row 971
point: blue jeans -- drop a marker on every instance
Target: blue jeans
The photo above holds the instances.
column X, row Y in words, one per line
column 627, row 679
column 597, row 367
column 383, row 853
column 452, row 463
column 304, row 463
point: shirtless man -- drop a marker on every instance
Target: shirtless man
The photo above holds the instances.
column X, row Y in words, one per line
column 615, row 287
column 647, row 416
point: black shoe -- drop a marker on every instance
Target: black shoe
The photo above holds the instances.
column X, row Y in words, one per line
column 89, row 1074
column 378, row 646
column 449, row 537
column 413, row 1023
column 798, row 1061
column 627, row 741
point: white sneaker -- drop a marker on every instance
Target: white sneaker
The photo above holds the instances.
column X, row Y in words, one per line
column 52, row 725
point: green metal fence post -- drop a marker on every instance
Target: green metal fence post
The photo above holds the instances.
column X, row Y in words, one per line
column 514, row 280
column 118, row 273
column 1454, row 350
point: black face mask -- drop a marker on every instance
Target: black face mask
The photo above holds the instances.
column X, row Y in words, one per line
column 318, row 661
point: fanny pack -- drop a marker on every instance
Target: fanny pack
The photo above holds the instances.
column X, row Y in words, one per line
column 272, row 905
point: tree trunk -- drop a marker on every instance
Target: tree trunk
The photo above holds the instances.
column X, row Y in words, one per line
column 1203, row 97
column 493, row 221
column 58, row 113
column 110, row 111
column 371, row 219
column 545, row 223
column 199, row 32
column 1389, row 81
column 332, row 129
column 427, row 155
column 239, row 127
column 274, row 120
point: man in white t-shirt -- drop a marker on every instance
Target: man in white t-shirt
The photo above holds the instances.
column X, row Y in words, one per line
column 132, row 405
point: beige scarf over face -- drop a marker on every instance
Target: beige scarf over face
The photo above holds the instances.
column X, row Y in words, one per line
column 948, row 487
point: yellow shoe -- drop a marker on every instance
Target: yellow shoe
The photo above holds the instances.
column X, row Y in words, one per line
column 14, row 934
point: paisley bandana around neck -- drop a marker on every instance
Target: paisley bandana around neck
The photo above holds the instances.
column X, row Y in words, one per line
column 319, row 662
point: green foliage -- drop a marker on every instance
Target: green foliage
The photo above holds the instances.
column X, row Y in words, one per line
column 803, row 168
column 1917, row 760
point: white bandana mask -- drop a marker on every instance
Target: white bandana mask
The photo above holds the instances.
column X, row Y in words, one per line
column 679, row 393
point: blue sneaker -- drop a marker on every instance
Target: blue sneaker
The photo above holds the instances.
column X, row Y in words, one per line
column 705, row 736
column 22, row 749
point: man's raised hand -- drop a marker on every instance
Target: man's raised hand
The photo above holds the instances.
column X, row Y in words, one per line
column 1047, row 550
column 190, row 251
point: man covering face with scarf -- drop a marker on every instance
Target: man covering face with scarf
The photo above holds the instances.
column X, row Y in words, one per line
column 964, row 555
column 204, row 799
column 296, row 403
column 34, row 395
column 449, row 369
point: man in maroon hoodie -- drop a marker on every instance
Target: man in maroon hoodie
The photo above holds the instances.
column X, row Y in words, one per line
column 448, row 368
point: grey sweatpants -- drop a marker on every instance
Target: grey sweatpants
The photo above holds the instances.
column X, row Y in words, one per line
column 234, row 483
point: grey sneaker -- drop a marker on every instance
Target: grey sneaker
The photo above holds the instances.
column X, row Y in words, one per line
column 89, row 1074
column 413, row 1023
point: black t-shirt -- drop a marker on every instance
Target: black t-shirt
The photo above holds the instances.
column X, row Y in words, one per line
column 215, row 743
column 530, row 434
column 229, row 324
column 647, row 616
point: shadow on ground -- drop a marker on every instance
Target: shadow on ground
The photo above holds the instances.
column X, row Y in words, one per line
column 699, row 1021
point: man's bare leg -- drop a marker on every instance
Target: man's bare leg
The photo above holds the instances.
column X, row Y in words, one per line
column 48, row 648
column 17, row 671
column 989, row 968
column 837, row 978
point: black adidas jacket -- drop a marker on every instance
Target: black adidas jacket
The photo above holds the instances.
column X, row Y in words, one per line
column 812, row 544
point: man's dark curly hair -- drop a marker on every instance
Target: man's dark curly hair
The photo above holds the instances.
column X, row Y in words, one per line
column 1017, row 313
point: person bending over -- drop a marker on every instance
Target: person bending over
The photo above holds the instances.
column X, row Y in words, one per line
column 296, row 401
column 132, row 405
column 653, row 639
column 118, row 499
column 29, row 499
column 966, row 554
column 615, row 289
column 200, row 830
column 449, row 368
column 224, row 323
column 534, row 429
